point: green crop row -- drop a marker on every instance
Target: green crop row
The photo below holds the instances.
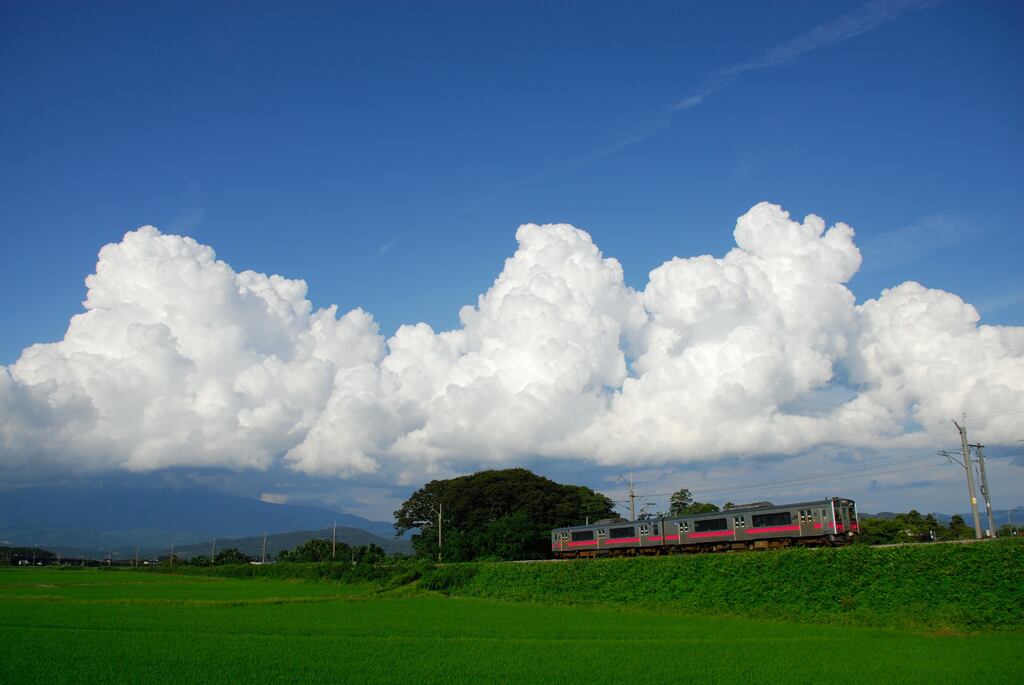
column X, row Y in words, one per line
column 955, row 586
column 391, row 573
column 948, row 586
column 129, row 627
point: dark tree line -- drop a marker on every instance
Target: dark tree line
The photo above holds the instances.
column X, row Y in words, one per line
column 228, row 555
column 505, row 514
column 318, row 550
column 915, row 527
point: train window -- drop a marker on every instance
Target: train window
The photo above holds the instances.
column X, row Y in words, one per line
column 739, row 521
column 644, row 530
column 565, row 536
column 600, row 533
column 622, row 532
column 778, row 518
column 710, row 524
column 684, row 527
column 582, row 535
column 656, row 529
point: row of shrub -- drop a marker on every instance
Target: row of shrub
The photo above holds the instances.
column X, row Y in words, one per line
column 977, row 586
column 954, row 586
column 391, row 572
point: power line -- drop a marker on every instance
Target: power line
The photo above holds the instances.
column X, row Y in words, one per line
column 874, row 470
column 874, row 465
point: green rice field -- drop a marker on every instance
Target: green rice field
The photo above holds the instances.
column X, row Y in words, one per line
column 122, row 626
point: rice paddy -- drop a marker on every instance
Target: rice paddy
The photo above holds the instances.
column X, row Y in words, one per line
column 118, row 626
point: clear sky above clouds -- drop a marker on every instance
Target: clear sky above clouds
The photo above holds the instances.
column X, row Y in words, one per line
column 386, row 154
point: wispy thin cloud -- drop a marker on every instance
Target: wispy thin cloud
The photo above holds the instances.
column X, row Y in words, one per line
column 857, row 22
column 910, row 243
column 864, row 19
column 386, row 247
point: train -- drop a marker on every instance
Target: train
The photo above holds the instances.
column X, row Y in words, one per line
column 761, row 525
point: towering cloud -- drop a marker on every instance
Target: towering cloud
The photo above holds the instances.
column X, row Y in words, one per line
column 179, row 360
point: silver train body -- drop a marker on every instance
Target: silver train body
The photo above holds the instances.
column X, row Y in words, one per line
column 761, row 526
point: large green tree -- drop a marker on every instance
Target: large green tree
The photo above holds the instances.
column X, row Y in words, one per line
column 230, row 556
column 505, row 514
column 682, row 504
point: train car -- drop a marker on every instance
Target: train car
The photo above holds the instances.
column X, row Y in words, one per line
column 761, row 525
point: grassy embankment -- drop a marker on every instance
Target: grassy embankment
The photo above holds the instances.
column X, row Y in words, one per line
column 932, row 587
column 123, row 626
column 953, row 587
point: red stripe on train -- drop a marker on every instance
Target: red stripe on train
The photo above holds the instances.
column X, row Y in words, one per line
column 772, row 529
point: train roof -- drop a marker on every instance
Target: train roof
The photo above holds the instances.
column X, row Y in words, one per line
column 762, row 506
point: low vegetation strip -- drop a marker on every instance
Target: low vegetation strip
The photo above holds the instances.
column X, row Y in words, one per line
column 387, row 574
column 954, row 587
column 228, row 630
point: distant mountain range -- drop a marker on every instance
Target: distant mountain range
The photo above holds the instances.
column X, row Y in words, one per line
column 97, row 518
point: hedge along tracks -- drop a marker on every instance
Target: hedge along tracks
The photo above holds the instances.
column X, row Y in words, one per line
column 760, row 549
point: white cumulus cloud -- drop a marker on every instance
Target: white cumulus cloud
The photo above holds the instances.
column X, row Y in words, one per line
column 179, row 360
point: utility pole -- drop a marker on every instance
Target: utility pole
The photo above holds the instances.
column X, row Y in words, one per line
column 263, row 558
column 213, row 550
column 970, row 475
column 632, row 496
column 334, row 540
column 171, row 560
column 440, row 508
column 984, row 490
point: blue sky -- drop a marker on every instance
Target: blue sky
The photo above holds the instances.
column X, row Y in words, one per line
column 361, row 148
column 386, row 152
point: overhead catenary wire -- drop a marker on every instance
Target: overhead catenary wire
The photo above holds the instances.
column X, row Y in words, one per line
column 878, row 469
column 876, row 464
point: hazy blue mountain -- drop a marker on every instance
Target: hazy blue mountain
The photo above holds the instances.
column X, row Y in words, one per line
column 102, row 516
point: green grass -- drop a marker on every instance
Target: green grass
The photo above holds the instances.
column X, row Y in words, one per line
column 933, row 587
column 105, row 586
column 96, row 626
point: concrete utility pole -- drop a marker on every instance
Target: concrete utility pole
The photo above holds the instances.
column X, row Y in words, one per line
column 263, row 557
column 213, row 549
column 632, row 496
column 440, row 508
column 970, row 476
column 334, row 539
column 984, row 490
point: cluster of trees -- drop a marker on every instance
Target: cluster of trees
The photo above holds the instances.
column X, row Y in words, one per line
column 321, row 550
column 506, row 514
column 915, row 527
column 681, row 504
column 228, row 555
